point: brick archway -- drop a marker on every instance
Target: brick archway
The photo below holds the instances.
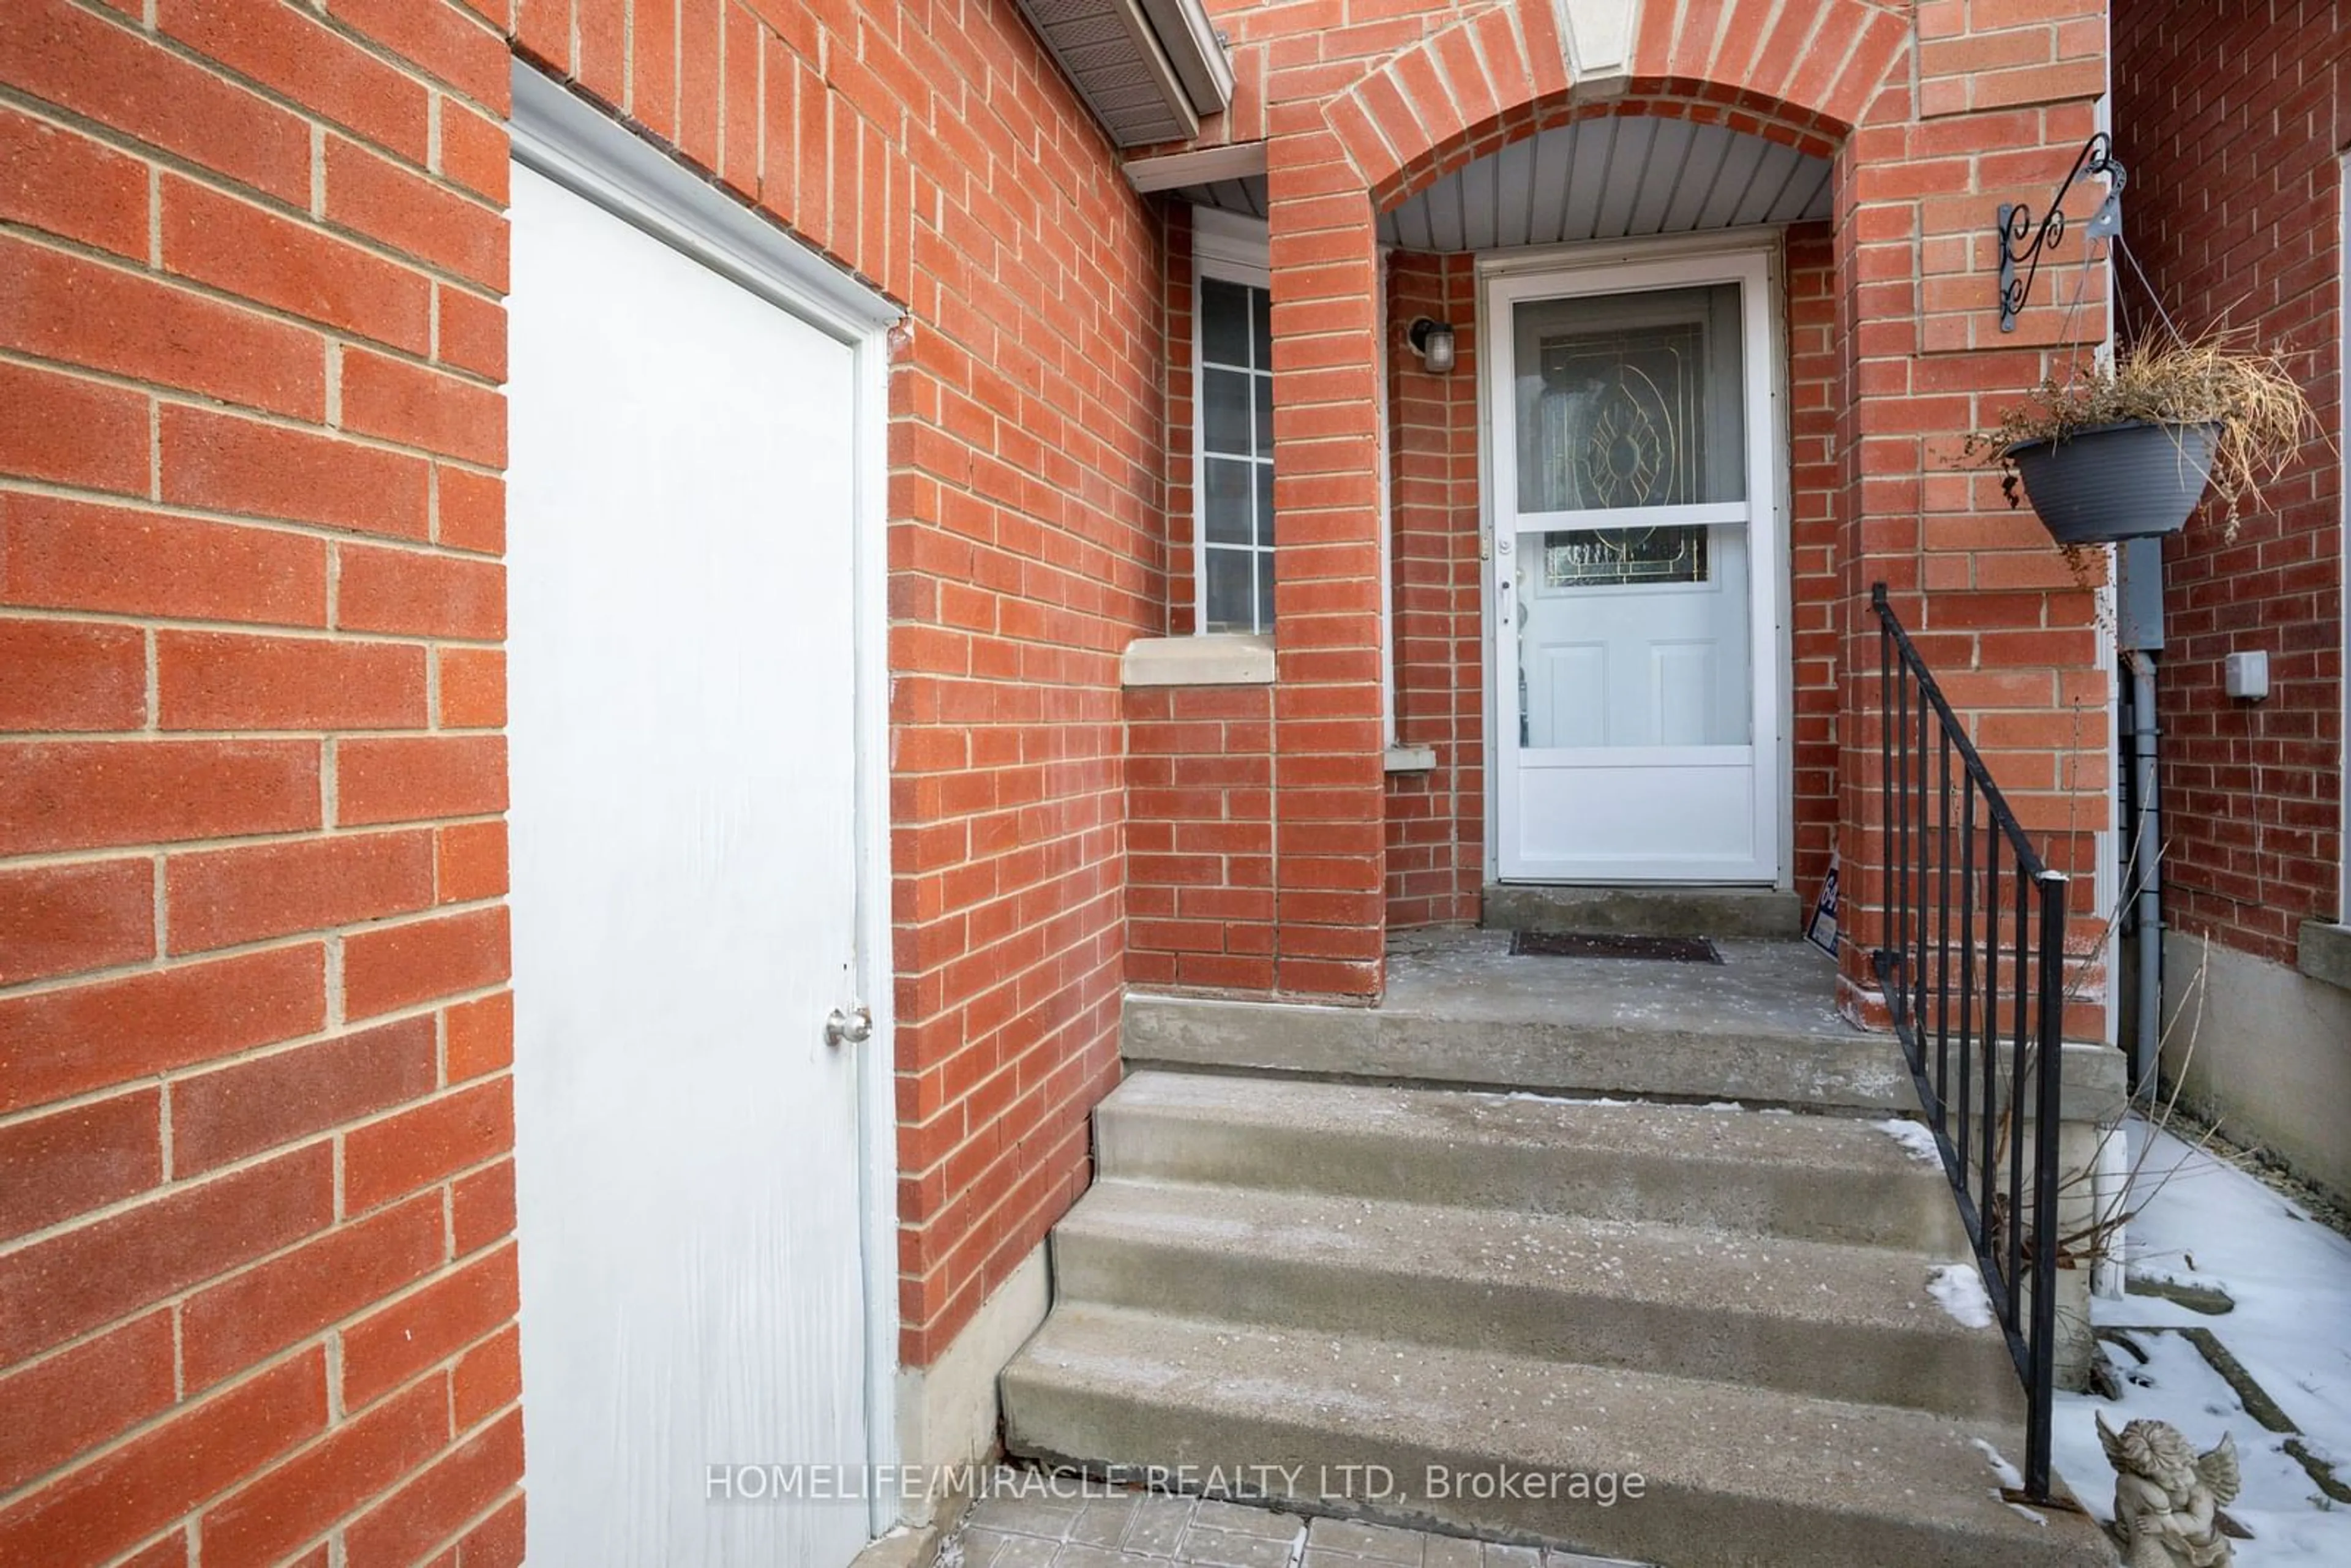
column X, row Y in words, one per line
column 1503, row 73
column 1929, row 123
column 1462, row 89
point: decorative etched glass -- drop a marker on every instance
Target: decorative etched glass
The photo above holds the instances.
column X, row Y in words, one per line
column 1631, row 550
column 1632, row 401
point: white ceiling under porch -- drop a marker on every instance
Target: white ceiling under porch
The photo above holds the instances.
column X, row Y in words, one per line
column 1609, row 178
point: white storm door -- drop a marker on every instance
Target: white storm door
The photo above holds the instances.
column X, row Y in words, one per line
column 682, row 512
column 1633, row 487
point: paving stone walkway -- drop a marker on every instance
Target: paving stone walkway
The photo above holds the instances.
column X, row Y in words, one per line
column 1143, row 1529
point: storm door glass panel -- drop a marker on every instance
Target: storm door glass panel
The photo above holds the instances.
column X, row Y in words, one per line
column 1236, row 426
column 1631, row 558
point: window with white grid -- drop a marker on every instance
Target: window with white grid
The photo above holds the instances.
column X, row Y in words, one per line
column 1232, row 443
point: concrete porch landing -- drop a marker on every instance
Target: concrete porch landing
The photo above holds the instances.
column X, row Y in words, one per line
column 1759, row 1029
column 1781, row 988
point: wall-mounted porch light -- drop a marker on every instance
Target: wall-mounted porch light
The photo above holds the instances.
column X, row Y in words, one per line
column 1433, row 341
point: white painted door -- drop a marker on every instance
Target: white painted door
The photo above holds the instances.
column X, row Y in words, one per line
column 1634, row 504
column 682, row 673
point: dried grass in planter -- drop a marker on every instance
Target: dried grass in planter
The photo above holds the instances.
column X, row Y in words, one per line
column 2259, row 415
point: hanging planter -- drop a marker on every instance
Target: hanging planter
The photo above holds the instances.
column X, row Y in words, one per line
column 2127, row 450
column 2107, row 483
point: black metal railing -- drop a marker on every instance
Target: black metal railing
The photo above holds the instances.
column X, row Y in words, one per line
column 1973, row 971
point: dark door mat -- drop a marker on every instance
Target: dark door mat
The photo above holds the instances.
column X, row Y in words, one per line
column 1596, row 945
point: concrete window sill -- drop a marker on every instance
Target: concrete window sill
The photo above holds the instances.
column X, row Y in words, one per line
column 1411, row 758
column 2325, row 953
column 1216, row 660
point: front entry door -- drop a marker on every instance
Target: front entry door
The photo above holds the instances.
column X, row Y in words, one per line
column 682, row 505
column 1636, row 580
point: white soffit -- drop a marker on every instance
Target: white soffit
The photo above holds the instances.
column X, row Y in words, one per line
column 1147, row 69
column 1231, row 177
column 1612, row 178
column 1197, row 165
column 1246, row 197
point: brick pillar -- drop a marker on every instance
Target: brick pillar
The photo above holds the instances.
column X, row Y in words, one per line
column 1815, row 394
column 1878, row 541
column 1435, row 828
column 2007, row 631
column 1330, row 907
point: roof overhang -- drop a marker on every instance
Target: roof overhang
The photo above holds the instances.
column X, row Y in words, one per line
column 1231, row 177
column 1197, row 166
column 1147, row 69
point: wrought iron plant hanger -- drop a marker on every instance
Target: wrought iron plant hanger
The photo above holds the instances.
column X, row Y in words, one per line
column 2022, row 241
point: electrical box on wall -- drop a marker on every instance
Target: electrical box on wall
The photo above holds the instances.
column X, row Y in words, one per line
column 2246, row 676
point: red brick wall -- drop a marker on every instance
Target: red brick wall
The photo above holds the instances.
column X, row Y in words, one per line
column 1177, row 307
column 1997, row 110
column 1200, row 894
column 2232, row 121
column 1436, row 820
column 256, row 1268
column 1199, row 762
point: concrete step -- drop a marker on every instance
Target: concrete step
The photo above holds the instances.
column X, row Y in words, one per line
column 1731, row 1476
column 1724, row 912
column 1824, row 1179
column 1636, row 1039
column 1808, row 1317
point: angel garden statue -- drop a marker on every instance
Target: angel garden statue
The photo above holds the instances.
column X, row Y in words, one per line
column 2168, row 1497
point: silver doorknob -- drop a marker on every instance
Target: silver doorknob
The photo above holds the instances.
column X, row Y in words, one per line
column 854, row 1027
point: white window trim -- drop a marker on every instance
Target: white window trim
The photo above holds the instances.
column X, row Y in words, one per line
column 1232, row 248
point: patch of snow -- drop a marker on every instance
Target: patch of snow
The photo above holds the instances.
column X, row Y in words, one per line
column 1916, row 1139
column 1959, row 1291
column 2156, row 1274
column 2198, row 1220
column 2010, row 1476
column 1527, row 1097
